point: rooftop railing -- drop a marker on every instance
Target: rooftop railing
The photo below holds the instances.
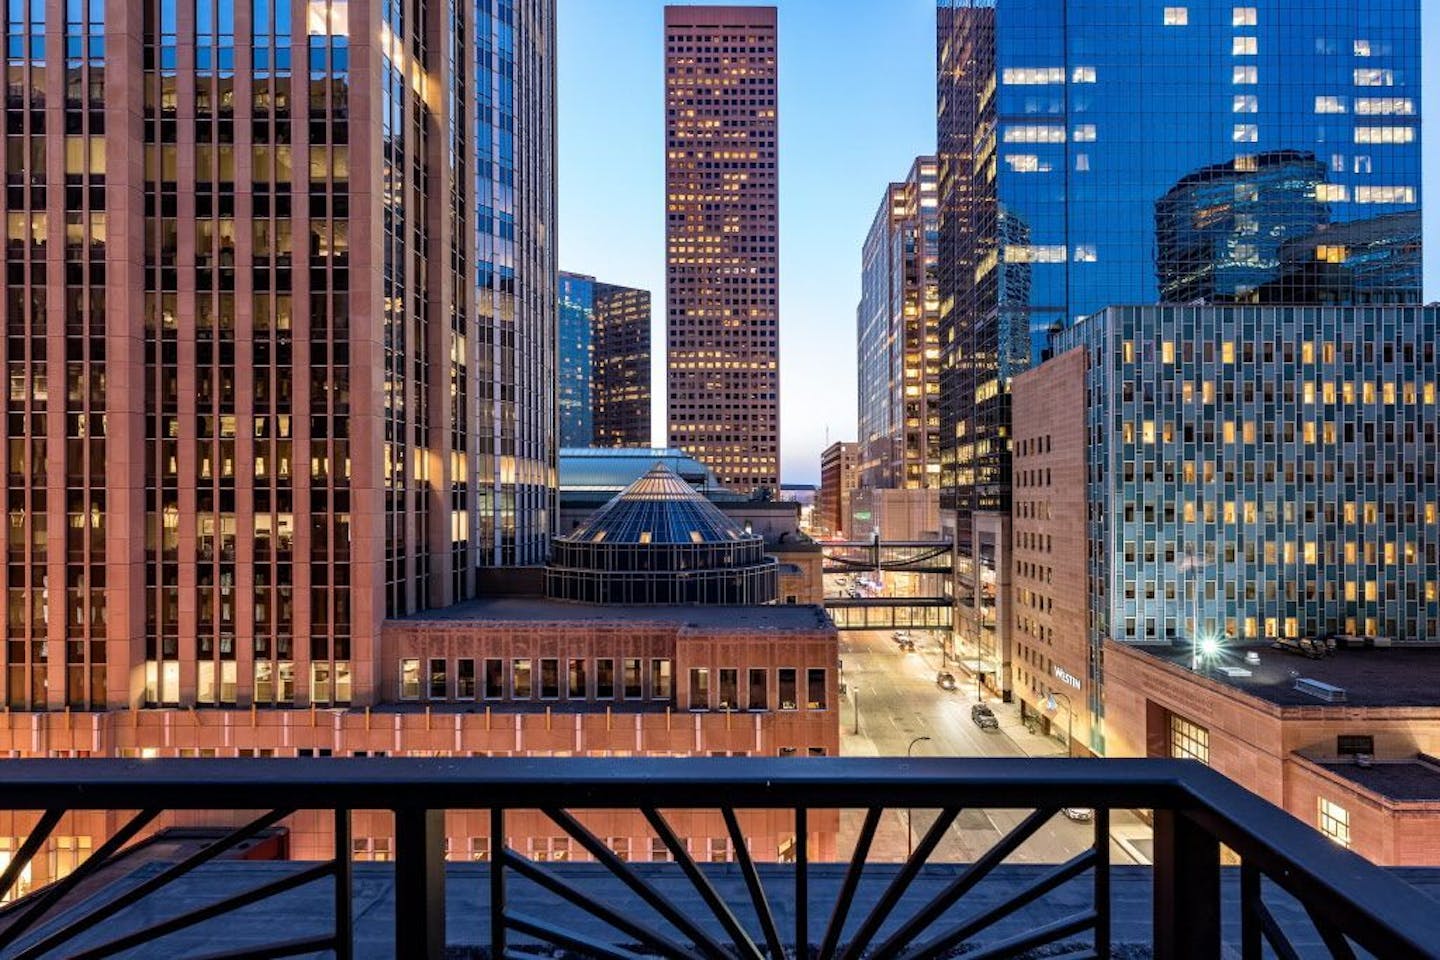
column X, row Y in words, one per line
column 1355, row 907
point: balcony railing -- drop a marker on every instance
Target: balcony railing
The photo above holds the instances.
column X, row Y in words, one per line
column 1355, row 908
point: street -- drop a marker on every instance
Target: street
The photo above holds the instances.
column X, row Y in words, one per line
column 900, row 701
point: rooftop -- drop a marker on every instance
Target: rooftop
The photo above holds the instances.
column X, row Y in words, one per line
column 1380, row 677
column 1413, row 779
column 780, row 616
column 659, row 508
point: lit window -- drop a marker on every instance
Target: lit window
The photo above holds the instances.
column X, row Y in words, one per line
column 1244, row 47
column 1085, row 253
column 1245, row 75
column 1362, row 48
column 1026, row 163
column 1029, row 76
column 1177, row 16
column 1374, row 77
column 1085, row 133
column 1188, row 740
column 1335, row 822
column 1384, row 134
column 1036, row 253
column 1034, row 133
column 1384, row 194
column 1246, row 103
column 1242, row 17
column 1384, row 106
column 1082, row 75
column 1329, row 104
column 1246, row 133
column 1332, row 193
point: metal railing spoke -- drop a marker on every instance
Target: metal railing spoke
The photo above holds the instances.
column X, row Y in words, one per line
column 649, row 894
column 1335, row 941
column 569, row 939
column 209, row 912
column 901, row 882
column 1272, row 932
column 851, row 881
column 752, row 883
column 1052, row 879
column 977, row 871
column 43, row 828
column 738, row 936
column 542, row 877
column 58, row 890
column 138, row 893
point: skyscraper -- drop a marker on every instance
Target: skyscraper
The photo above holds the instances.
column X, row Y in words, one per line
column 622, row 366
column 898, row 340
column 604, row 376
column 1060, row 126
column 280, row 334
column 721, row 229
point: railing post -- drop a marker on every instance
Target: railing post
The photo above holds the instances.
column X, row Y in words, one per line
column 1102, row 883
column 420, row 883
column 802, row 884
column 344, row 889
column 1187, row 889
column 1251, row 945
column 497, row 882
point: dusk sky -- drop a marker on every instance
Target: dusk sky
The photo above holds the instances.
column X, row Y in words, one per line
column 857, row 104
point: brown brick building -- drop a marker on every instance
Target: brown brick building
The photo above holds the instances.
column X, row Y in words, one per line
column 839, row 476
column 1345, row 742
column 722, row 238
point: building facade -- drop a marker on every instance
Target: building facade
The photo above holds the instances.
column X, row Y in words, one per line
column 1255, row 473
column 839, row 475
column 307, row 322
column 898, row 339
column 1363, row 771
column 622, row 366
column 575, row 396
column 1049, row 116
column 604, row 364
column 722, row 241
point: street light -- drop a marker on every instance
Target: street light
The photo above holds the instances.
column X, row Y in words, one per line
column 1052, row 706
column 909, row 833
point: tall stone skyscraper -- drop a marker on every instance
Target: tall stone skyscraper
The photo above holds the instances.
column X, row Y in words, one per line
column 721, row 228
column 280, row 310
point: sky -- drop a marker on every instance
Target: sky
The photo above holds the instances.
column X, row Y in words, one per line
column 857, row 105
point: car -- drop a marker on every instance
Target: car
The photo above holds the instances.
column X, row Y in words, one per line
column 1078, row 814
column 900, row 636
column 945, row 680
column 907, row 645
column 984, row 717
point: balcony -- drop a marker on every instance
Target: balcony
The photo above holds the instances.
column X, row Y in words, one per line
column 1286, row 891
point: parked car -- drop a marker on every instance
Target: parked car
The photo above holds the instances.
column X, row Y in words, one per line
column 945, row 680
column 1078, row 814
column 984, row 717
column 907, row 645
column 899, row 636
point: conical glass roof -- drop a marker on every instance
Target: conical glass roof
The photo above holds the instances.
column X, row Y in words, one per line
column 658, row 508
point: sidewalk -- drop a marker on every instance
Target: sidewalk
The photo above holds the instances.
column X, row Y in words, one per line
column 1033, row 744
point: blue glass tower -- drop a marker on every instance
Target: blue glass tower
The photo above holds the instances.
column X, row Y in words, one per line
column 577, row 360
column 1103, row 152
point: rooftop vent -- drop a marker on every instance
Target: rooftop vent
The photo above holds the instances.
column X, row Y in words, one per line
column 1320, row 690
column 1234, row 672
column 1252, row 657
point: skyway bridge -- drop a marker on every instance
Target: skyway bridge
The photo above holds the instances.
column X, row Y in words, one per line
column 931, row 561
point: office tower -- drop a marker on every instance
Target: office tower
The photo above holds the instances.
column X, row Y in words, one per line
column 280, row 334
column 1061, row 124
column 898, row 339
column 604, row 398
column 839, row 475
column 1227, row 474
column 722, row 241
column 622, row 366
column 574, row 400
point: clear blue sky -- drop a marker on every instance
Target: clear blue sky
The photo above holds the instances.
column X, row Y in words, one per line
column 857, row 104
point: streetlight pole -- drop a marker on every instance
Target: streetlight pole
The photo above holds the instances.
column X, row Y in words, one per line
column 855, row 705
column 909, row 832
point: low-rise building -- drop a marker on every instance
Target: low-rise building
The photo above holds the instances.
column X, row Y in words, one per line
column 1344, row 741
column 839, row 476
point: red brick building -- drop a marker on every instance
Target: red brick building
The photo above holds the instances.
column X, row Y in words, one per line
column 1345, row 742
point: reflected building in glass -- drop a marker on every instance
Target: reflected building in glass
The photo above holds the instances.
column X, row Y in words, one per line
column 1124, row 153
column 604, row 364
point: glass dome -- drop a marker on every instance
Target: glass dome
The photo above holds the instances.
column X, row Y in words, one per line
column 660, row 541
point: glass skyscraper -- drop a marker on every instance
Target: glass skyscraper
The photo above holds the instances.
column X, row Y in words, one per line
column 577, row 360
column 1102, row 153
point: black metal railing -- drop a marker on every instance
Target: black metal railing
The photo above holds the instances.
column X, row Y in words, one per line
column 1354, row 907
